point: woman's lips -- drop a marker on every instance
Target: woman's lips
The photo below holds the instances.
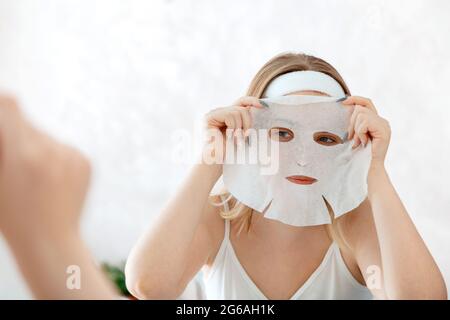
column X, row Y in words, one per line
column 301, row 179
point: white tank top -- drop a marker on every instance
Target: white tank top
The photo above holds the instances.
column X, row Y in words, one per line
column 228, row 280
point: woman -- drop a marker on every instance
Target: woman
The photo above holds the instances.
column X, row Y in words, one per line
column 372, row 251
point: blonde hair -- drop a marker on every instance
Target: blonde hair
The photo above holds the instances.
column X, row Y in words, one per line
column 278, row 65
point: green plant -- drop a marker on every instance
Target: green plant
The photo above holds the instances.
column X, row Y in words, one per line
column 117, row 275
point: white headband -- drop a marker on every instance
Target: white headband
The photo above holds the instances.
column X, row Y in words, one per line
column 303, row 80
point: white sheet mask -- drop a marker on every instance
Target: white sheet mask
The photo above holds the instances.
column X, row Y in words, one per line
column 316, row 147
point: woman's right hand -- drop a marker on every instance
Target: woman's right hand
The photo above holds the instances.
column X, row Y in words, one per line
column 236, row 117
column 43, row 182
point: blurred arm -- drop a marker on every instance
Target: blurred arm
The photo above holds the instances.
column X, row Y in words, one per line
column 43, row 184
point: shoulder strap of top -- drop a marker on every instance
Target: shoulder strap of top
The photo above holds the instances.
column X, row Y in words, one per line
column 227, row 229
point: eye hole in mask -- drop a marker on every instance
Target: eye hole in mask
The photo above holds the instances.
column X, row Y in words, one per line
column 285, row 135
column 281, row 134
column 327, row 139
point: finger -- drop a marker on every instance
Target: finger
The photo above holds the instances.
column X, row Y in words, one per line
column 363, row 136
column 248, row 101
column 229, row 134
column 351, row 128
column 365, row 139
column 8, row 103
column 230, row 122
column 358, row 110
column 238, row 126
column 9, row 110
column 362, row 130
column 246, row 121
column 356, row 142
column 365, row 102
column 237, row 119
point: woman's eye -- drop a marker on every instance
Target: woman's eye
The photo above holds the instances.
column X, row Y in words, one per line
column 327, row 138
column 281, row 134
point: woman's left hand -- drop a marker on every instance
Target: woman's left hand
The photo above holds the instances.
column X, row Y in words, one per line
column 365, row 124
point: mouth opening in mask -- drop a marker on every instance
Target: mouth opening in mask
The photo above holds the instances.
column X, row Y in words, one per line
column 304, row 180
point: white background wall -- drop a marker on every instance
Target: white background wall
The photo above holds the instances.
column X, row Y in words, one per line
column 116, row 77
